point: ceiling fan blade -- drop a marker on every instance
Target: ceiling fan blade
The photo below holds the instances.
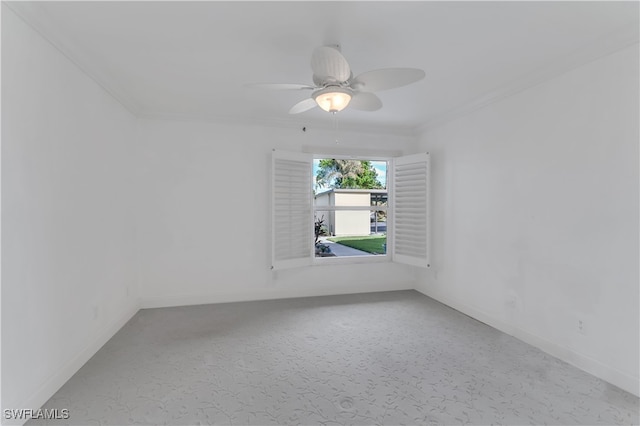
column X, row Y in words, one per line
column 365, row 101
column 279, row 86
column 329, row 64
column 388, row 78
column 303, row 106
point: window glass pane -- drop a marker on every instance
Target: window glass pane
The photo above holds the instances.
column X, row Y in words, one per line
column 349, row 233
column 340, row 185
column 349, row 174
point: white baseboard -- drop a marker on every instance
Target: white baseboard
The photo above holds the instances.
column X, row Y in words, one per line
column 205, row 299
column 607, row 373
column 50, row 386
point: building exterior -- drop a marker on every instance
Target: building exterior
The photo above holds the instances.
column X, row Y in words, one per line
column 348, row 222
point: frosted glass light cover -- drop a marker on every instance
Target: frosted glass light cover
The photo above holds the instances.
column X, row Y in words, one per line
column 332, row 99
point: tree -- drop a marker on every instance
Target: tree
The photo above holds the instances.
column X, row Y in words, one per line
column 353, row 174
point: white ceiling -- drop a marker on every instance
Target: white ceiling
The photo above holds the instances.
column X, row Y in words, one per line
column 192, row 59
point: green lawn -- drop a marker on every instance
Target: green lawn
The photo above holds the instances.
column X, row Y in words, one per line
column 371, row 244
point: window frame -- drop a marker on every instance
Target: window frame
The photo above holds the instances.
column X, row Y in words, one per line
column 413, row 169
column 370, row 258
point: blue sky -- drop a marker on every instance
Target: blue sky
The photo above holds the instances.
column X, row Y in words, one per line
column 380, row 166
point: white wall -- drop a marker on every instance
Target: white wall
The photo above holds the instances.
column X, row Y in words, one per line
column 535, row 216
column 204, row 218
column 68, row 276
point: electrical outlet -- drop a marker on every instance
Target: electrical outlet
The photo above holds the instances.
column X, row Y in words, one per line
column 580, row 326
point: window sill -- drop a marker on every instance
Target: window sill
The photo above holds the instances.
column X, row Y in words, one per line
column 350, row 260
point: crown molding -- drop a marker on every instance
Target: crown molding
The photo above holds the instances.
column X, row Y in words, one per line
column 36, row 18
column 623, row 38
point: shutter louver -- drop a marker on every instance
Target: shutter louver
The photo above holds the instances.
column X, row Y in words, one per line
column 292, row 191
column 411, row 210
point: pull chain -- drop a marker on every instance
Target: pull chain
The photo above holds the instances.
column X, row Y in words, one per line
column 335, row 127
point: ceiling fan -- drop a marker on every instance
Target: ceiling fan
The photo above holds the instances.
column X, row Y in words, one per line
column 335, row 87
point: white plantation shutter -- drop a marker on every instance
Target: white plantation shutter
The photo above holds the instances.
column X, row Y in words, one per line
column 411, row 210
column 291, row 210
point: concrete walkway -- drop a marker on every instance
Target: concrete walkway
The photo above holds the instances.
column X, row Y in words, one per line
column 339, row 250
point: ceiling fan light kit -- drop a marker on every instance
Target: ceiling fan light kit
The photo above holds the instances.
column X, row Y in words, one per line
column 335, row 87
column 332, row 99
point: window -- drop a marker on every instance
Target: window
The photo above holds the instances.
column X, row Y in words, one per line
column 350, row 207
column 395, row 215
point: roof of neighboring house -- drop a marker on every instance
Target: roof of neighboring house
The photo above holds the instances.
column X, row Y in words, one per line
column 353, row 191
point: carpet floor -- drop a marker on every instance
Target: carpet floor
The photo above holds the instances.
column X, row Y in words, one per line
column 379, row 358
